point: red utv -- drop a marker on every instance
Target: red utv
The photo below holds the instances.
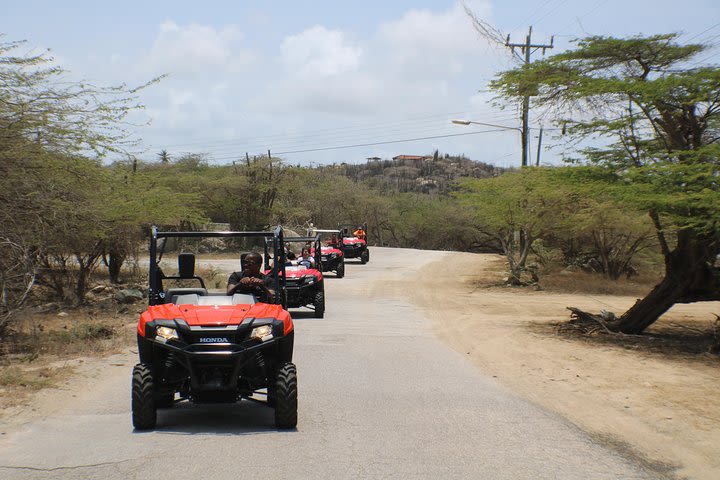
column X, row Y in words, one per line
column 331, row 255
column 304, row 284
column 205, row 347
column 355, row 245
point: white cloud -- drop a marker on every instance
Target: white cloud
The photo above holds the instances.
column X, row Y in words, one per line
column 423, row 63
column 424, row 31
column 408, row 65
column 194, row 47
column 319, row 51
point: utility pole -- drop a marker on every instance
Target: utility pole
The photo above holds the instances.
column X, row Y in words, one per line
column 537, row 163
column 527, row 48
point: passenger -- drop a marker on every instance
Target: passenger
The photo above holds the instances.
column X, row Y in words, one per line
column 359, row 233
column 251, row 280
column 305, row 259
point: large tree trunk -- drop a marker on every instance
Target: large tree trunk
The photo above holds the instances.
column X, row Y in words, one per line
column 689, row 277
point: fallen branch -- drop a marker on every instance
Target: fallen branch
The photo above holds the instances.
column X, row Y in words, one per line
column 685, row 327
column 589, row 323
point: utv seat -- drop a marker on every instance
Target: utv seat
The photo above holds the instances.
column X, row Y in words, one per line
column 186, row 271
column 196, row 299
column 173, row 293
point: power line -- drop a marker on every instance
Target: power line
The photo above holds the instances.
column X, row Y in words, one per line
column 550, row 11
column 412, row 123
column 370, row 144
column 576, row 19
column 531, row 15
column 704, row 31
column 290, row 144
column 350, row 137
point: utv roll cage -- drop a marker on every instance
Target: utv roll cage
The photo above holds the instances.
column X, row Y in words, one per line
column 186, row 263
column 316, row 243
column 318, row 231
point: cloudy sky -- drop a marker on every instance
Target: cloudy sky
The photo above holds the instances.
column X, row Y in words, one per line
column 328, row 81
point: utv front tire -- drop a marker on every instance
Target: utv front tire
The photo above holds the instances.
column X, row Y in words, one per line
column 340, row 271
column 144, row 411
column 365, row 257
column 319, row 304
column 285, row 396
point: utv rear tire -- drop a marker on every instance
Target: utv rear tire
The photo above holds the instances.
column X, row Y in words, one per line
column 319, row 304
column 144, row 411
column 340, row 271
column 285, row 396
column 365, row 257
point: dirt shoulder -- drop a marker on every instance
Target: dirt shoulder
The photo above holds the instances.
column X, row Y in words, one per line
column 663, row 409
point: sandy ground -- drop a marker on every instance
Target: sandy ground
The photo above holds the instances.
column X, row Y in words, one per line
column 666, row 411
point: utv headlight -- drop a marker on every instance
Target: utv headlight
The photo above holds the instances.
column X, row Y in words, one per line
column 308, row 279
column 166, row 333
column 262, row 333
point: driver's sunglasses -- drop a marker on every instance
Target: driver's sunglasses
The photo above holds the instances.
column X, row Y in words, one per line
column 252, row 262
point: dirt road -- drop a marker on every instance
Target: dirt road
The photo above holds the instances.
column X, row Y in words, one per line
column 665, row 410
column 381, row 396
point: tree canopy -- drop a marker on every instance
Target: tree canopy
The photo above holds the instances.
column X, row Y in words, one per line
column 660, row 116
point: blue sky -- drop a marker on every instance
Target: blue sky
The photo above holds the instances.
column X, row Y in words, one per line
column 296, row 76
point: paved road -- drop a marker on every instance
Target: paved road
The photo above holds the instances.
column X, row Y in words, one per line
column 380, row 397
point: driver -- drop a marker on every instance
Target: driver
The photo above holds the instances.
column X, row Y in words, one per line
column 250, row 279
column 333, row 242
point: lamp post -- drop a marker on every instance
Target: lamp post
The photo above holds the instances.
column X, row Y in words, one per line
column 468, row 122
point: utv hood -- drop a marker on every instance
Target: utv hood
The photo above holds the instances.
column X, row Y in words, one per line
column 214, row 315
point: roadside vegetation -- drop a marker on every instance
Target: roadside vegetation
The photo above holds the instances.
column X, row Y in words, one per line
column 78, row 200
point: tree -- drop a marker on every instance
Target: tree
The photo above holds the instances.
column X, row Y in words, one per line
column 53, row 135
column 516, row 209
column 164, row 157
column 597, row 233
column 660, row 117
column 134, row 202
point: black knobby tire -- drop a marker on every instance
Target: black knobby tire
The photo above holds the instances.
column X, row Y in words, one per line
column 340, row 271
column 285, row 396
column 144, row 412
column 365, row 257
column 319, row 304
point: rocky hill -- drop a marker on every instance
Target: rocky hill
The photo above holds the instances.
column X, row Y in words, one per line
column 430, row 174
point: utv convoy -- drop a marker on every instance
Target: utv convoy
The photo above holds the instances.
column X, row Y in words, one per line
column 202, row 346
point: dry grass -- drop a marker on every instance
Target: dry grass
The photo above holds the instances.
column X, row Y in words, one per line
column 33, row 379
column 82, row 331
column 564, row 281
column 36, row 354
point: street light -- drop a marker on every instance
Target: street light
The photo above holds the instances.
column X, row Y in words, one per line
column 505, row 127
column 468, row 122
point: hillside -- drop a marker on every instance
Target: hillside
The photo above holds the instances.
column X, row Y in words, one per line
column 431, row 174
